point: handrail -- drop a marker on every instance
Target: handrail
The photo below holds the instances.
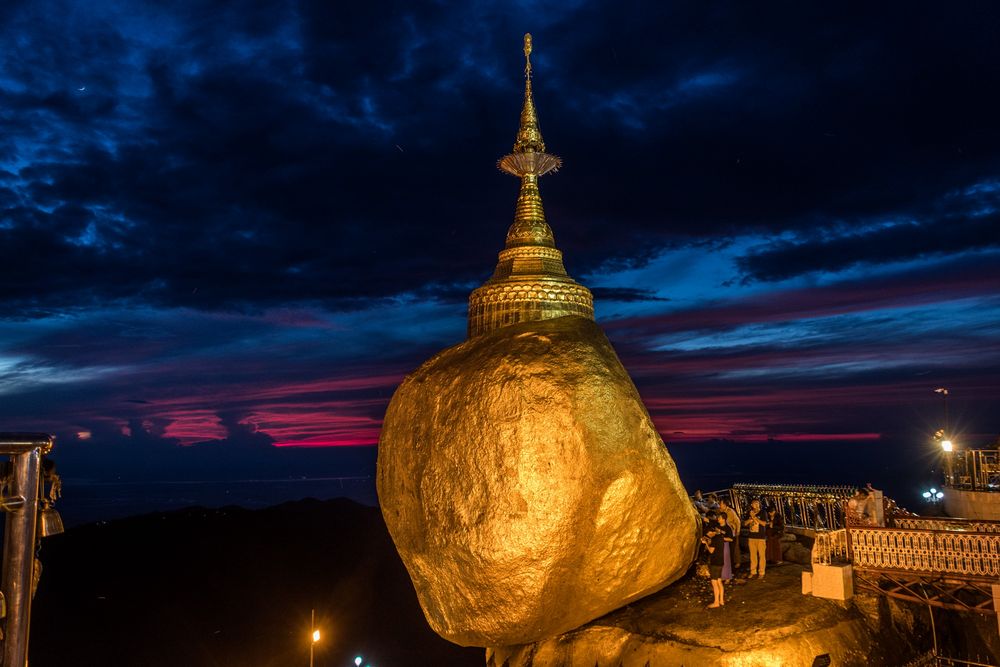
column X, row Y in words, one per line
column 799, row 505
column 17, row 443
column 720, row 494
column 975, row 469
column 946, row 523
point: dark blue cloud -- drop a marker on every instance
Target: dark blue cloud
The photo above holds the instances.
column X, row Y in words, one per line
column 247, row 154
column 208, row 206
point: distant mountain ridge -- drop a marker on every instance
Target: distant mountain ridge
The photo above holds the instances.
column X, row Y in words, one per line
column 232, row 587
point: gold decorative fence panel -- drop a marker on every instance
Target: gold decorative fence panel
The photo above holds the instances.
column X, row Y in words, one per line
column 971, row 554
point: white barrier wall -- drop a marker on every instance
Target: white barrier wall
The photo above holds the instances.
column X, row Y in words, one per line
column 972, row 504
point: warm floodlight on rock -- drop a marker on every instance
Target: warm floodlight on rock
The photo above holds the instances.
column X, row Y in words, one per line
column 520, row 476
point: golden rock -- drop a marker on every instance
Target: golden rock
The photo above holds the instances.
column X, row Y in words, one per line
column 526, row 488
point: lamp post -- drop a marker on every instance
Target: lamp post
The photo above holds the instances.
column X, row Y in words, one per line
column 933, row 498
column 946, row 444
column 314, row 638
column 933, row 495
column 944, row 397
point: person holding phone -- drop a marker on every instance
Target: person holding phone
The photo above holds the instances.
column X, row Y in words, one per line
column 717, row 542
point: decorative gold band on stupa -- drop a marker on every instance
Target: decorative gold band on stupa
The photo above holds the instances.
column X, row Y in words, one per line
column 529, row 282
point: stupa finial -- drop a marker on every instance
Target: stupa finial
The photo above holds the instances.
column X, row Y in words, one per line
column 529, row 161
column 530, row 281
column 529, row 142
column 527, row 56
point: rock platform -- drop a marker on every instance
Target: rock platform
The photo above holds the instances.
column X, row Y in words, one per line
column 766, row 623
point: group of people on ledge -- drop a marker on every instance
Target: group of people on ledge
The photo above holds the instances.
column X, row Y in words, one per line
column 721, row 530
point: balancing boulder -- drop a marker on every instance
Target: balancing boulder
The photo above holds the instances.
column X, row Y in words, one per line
column 526, row 488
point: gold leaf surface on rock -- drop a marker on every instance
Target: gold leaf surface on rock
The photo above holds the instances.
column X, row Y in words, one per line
column 526, row 488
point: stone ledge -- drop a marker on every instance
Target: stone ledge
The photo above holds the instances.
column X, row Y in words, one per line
column 765, row 622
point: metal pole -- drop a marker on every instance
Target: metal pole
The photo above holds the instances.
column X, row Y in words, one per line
column 930, row 610
column 312, row 642
column 947, row 426
column 19, row 557
column 947, row 434
column 976, row 467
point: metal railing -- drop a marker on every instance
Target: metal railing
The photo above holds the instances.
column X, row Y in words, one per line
column 800, row 506
column 975, row 469
column 912, row 522
column 932, row 659
column 718, row 495
column 968, row 554
column 830, row 547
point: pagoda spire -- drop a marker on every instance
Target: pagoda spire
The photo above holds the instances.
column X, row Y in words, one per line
column 529, row 136
column 530, row 282
column 528, row 162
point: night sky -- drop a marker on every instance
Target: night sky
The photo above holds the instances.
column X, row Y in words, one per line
column 229, row 227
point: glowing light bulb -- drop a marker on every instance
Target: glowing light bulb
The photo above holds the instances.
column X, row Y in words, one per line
column 927, row 494
column 358, row 660
column 940, row 495
column 947, row 446
column 315, row 636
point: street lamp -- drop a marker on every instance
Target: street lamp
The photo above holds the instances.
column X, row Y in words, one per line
column 944, row 397
column 933, row 495
column 315, row 636
column 946, row 445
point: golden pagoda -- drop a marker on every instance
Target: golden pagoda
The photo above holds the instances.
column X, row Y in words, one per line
column 530, row 282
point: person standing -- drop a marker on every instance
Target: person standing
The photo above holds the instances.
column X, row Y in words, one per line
column 775, row 529
column 858, row 512
column 717, row 542
column 733, row 519
column 713, row 502
column 757, row 539
column 699, row 503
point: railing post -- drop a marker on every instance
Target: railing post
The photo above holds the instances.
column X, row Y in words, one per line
column 976, row 467
column 20, row 539
column 847, row 534
column 19, row 556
